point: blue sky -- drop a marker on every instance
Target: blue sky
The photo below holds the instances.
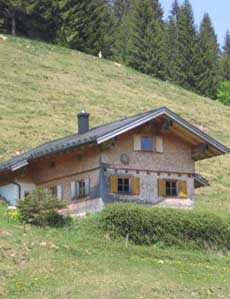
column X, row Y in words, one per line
column 219, row 12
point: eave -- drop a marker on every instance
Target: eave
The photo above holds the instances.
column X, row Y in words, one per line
column 215, row 147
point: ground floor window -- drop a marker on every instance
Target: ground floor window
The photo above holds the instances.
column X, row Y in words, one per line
column 82, row 188
column 123, row 185
column 171, row 188
column 53, row 191
column 57, row 192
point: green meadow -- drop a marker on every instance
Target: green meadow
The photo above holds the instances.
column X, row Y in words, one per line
column 81, row 261
column 42, row 87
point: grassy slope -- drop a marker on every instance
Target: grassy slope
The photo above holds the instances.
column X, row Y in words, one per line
column 83, row 263
column 42, row 87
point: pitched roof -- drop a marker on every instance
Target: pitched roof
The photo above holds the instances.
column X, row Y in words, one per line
column 103, row 133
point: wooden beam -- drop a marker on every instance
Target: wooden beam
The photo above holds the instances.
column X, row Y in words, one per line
column 166, row 125
column 182, row 136
column 199, row 151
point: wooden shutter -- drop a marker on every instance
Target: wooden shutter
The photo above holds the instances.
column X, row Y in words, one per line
column 113, row 184
column 87, row 186
column 136, row 186
column 161, row 188
column 159, row 144
column 59, row 192
column 73, row 189
column 183, row 189
column 136, row 142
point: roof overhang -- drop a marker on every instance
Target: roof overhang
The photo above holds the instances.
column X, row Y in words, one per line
column 19, row 165
column 194, row 135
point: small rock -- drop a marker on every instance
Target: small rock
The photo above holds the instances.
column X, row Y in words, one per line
column 117, row 64
column 3, row 37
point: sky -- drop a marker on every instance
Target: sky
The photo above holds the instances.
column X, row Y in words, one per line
column 219, row 11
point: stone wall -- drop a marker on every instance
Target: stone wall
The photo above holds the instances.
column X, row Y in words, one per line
column 148, row 186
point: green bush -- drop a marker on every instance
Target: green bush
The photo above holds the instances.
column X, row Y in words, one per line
column 166, row 226
column 223, row 93
column 40, row 208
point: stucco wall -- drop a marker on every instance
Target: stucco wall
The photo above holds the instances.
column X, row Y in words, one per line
column 92, row 175
column 176, row 156
column 175, row 163
column 26, row 187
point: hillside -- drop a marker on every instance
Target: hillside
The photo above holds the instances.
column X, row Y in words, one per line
column 42, row 87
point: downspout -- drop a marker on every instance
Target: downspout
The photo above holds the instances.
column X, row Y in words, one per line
column 101, row 178
column 19, row 189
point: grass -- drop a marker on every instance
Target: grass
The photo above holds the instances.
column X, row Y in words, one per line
column 82, row 262
column 42, row 87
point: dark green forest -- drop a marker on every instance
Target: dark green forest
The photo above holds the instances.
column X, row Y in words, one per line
column 131, row 32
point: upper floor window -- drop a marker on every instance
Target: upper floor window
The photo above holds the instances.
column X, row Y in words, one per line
column 147, row 144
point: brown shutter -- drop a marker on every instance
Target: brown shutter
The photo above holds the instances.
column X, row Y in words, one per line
column 183, row 189
column 159, row 144
column 113, row 184
column 161, row 188
column 136, row 186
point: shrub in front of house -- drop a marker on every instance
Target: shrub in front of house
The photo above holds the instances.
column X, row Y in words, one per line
column 166, row 226
column 41, row 208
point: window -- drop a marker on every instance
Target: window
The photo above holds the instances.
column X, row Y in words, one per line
column 171, row 188
column 53, row 191
column 82, row 189
column 57, row 192
column 147, row 144
column 123, row 185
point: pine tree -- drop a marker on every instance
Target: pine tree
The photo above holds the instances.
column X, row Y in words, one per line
column 172, row 48
column 122, row 40
column 207, row 63
column 87, row 26
column 146, row 49
column 10, row 10
column 49, row 13
column 225, row 59
column 121, row 9
column 187, row 37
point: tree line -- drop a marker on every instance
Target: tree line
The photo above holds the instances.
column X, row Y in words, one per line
column 132, row 32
